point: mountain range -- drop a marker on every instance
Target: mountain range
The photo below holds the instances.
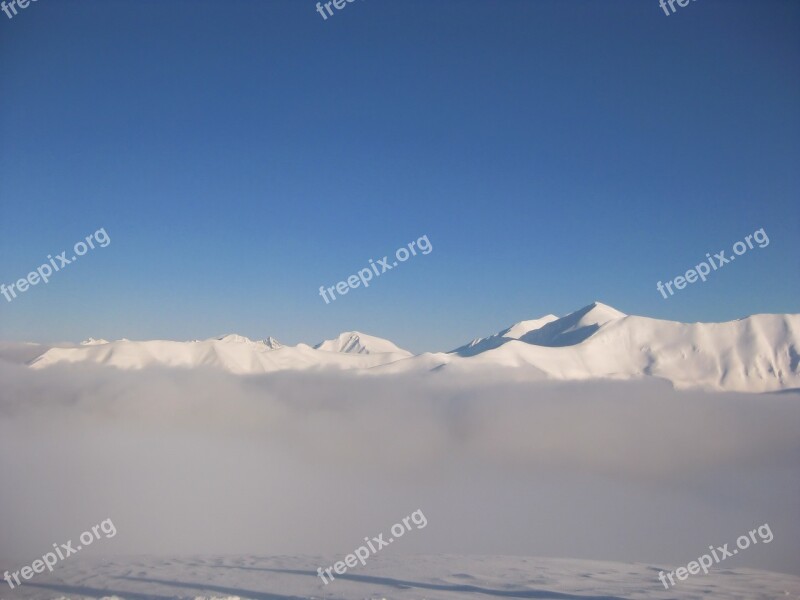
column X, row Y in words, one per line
column 759, row 353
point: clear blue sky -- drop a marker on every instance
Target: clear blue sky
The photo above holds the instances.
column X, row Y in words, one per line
column 240, row 154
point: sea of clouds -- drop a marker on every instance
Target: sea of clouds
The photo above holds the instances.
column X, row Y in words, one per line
column 205, row 462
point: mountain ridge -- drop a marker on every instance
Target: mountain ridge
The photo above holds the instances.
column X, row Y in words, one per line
column 753, row 354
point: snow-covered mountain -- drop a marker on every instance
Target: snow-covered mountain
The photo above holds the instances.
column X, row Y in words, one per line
column 232, row 352
column 755, row 354
column 354, row 342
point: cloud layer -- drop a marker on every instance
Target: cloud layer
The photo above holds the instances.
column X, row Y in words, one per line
column 205, row 462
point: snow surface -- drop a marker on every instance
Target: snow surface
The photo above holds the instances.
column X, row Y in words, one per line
column 760, row 353
column 391, row 577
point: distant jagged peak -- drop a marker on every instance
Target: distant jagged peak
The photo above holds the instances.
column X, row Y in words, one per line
column 271, row 343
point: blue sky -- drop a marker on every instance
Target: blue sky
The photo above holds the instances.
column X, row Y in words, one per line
column 241, row 154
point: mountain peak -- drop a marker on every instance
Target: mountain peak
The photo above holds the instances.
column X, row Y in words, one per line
column 271, row 343
column 355, row 342
column 598, row 308
column 232, row 338
column 93, row 342
column 575, row 327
